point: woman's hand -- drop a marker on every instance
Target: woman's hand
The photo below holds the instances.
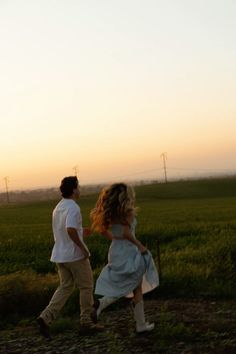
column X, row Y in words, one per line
column 143, row 249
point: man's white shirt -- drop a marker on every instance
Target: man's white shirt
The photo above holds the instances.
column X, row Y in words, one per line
column 66, row 214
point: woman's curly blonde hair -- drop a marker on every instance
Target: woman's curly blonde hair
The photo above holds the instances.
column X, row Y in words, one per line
column 114, row 204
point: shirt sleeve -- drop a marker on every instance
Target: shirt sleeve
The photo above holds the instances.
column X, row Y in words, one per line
column 73, row 218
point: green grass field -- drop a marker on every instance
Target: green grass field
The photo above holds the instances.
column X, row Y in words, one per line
column 194, row 223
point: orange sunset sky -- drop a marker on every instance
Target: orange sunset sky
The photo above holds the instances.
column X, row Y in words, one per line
column 109, row 85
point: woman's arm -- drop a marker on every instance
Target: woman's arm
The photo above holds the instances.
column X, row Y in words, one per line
column 128, row 236
column 107, row 234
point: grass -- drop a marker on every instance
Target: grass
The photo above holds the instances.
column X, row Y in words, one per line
column 193, row 221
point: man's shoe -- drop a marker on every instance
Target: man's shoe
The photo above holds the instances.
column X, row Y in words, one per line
column 94, row 316
column 43, row 328
column 89, row 329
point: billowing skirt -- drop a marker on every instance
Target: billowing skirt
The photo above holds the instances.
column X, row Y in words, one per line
column 127, row 268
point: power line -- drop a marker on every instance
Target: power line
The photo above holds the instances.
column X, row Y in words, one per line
column 139, row 173
column 200, row 169
column 132, row 174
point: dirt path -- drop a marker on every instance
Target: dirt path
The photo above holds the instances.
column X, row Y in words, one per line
column 182, row 326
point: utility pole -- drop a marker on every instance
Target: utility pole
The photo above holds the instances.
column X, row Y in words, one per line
column 6, row 179
column 75, row 168
column 164, row 157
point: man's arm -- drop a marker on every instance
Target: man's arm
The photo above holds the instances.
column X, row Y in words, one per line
column 75, row 238
column 86, row 232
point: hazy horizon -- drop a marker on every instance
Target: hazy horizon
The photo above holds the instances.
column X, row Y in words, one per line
column 109, row 86
column 132, row 181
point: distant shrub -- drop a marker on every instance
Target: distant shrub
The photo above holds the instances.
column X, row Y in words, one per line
column 25, row 293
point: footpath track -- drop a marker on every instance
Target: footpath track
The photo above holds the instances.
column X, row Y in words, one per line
column 182, row 326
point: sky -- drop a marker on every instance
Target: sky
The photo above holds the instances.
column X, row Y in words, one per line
column 108, row 86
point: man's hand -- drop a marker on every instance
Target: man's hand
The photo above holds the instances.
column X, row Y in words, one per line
column 86, row 231
column 86, row 253
column 72, row 232
column 107, row 234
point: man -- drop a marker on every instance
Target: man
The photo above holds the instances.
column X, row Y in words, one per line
column 71, row 256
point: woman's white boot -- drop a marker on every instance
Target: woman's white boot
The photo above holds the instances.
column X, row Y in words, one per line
column 141, row 324
column 100, row 305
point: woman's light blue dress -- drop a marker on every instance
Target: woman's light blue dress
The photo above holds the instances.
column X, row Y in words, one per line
column 126, row 267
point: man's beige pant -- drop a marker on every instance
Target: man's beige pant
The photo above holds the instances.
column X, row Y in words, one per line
column 72, row 274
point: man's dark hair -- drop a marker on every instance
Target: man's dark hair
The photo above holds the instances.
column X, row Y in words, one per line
column 68, row 184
